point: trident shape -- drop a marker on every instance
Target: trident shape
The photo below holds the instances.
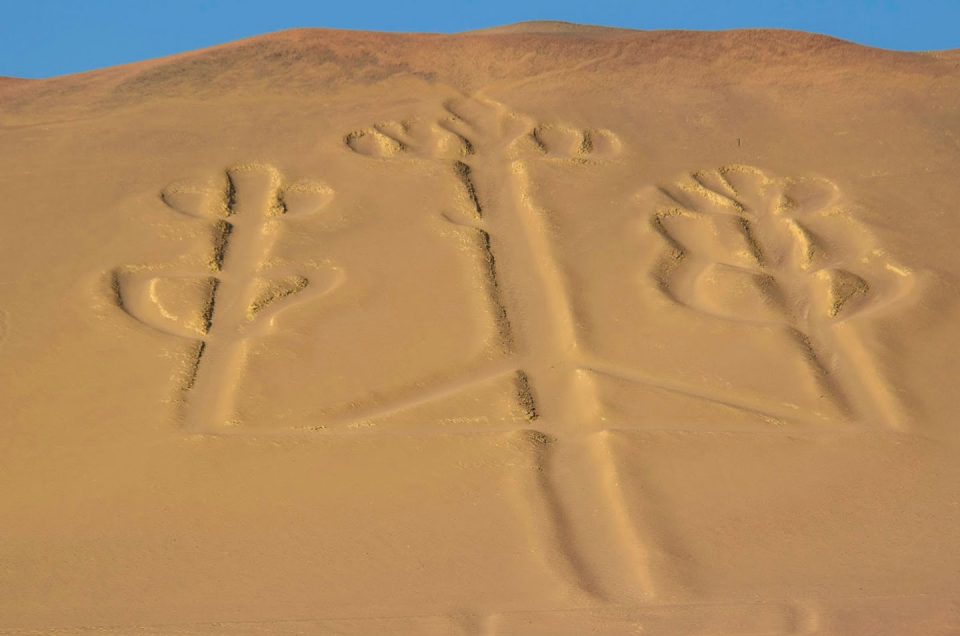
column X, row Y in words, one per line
column 491, row 151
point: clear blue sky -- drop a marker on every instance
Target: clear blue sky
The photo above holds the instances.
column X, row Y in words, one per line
column 42, row 38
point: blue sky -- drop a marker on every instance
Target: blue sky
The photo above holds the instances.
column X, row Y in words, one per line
column 43, row 38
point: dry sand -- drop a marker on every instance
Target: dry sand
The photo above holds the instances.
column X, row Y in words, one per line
column 541, row 330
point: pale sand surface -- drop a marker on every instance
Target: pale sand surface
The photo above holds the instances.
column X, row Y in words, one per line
column 539, row 330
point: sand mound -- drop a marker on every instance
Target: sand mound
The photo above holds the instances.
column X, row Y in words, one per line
column 542, row 329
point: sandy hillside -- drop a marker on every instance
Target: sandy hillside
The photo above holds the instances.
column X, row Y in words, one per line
column 542, row 330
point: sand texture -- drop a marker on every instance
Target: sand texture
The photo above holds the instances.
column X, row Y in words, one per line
column 542, row 330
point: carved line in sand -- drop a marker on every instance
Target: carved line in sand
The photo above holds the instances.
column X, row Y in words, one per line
column 743, row 247
column 241, row 294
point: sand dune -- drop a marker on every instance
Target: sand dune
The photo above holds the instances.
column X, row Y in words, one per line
column 543, row 329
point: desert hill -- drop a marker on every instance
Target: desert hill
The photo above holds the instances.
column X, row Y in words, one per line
column 541, row 329
column 297, row 60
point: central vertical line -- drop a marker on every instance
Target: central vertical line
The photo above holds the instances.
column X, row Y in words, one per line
column 577, row 477
column 241, row 245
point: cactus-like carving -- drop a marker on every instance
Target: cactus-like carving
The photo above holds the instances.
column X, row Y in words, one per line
column 240, row 296
column 749, row 247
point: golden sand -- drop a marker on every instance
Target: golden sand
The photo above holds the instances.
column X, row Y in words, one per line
column 541, row 330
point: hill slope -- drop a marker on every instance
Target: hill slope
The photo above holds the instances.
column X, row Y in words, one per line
column 543, row 329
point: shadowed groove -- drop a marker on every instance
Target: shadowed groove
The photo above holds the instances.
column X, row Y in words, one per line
column 465, row 176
